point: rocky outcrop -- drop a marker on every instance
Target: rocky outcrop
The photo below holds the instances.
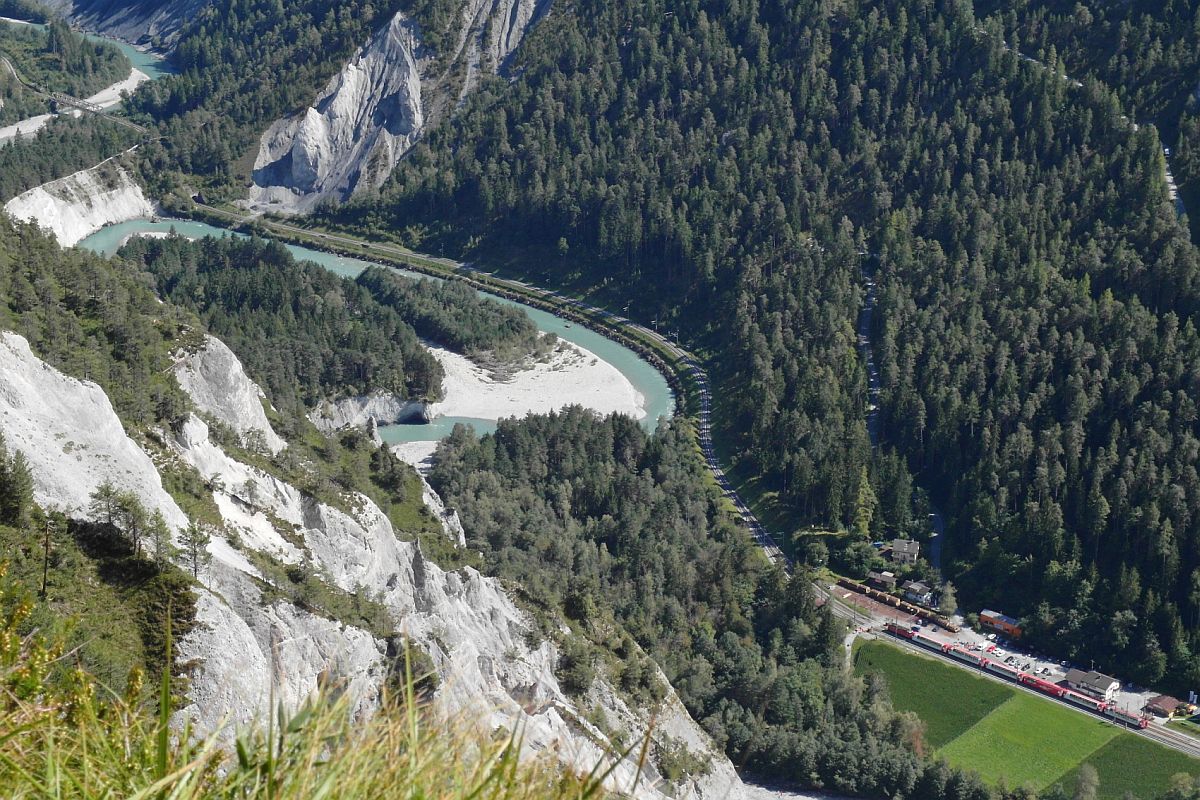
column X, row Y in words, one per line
column 355, row 132
column 137, row 21
column 71, row 436
column 250, row 650
column 507, row 22
column 246, row 652
column 373, row 111
column 214, row 379
column 384, row 408
column 78, row 205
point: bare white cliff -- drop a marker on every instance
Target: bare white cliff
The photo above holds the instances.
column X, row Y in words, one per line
column 138, row 21
column 213, row 377
column 71, row 436
column 371, row 113
column 509, row 21
column 384, row 408
column 246, row 652
column 80, row 204
column 365, row 119
column 250, row 650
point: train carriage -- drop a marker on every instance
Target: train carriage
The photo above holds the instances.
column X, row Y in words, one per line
column 922, row 638
column 1083, row 701
column 1046, row 687
column 965, row 655
column 1126, row 717
column 1004, row 670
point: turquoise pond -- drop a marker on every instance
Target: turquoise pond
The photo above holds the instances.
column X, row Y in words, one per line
column 659, row 400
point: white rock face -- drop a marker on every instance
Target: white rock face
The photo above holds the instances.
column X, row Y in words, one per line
column 357, row 412
column 372, row 112
column 78, row 205
column 132, row 20
column 215, row 380
column 356, row 131
column 510, row 21
column 475, row 635
column 244, row 653
column 71, row 436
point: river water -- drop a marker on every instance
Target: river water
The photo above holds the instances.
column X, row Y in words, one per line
column 659, row 400
column 155, row 66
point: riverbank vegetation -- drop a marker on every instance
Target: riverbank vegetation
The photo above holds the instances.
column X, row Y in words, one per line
column 303, row 333
column 455, row 316
column 1037, row 291
column 55, row 59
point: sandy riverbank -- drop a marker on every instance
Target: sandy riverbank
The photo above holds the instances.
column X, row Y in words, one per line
column 569, row 376
column 105, row 98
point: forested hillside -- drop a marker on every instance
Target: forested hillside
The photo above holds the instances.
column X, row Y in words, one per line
column 304, row 333
column 1148, row 53
column 734, row 167
column 620, row 532
column 244, row 64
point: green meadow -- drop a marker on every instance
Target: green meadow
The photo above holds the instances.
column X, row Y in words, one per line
column 1011, row 736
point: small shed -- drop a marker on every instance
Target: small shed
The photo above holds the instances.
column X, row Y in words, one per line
column 1164, row 706
column 882, row 580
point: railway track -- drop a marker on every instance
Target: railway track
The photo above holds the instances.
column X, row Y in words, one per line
column 1162, row 735
column 690, row 366
column 73, row 102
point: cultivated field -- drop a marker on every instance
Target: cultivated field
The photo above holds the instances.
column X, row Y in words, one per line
column 1004, row 733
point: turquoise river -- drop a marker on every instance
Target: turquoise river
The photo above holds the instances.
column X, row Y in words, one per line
column 659, row 401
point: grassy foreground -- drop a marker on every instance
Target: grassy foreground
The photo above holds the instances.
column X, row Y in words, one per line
column 1016, row 738
column 64, row 739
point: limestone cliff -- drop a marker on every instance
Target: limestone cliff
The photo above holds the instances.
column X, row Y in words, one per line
column 80, row 204
column 217, row 384
column 71, row 436
column 137, row 21
column 372, row 112
column 250, row 648
column 352, row 136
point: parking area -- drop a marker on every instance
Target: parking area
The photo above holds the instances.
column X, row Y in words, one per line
column 1130, row 698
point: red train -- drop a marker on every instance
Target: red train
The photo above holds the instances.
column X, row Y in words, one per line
column 980, row 660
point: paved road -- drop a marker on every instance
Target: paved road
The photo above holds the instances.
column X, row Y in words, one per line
column 691, row 367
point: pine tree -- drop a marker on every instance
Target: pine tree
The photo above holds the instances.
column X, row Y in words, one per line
column 159, row 534
column 195, row 539
column 864, row 506
column 105, row 503
column 16, row 491
column 132, row 519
